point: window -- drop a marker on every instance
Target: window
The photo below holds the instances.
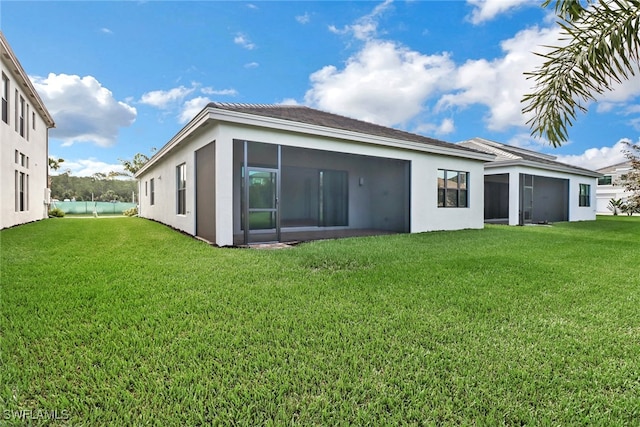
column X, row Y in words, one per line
column 453, row 189
column 33, row 121
column 22, row 191
column 585, row 195
column 181, row 186
column 152, row 192
column 5, row 98
column 15, row 103
column 605, row 180
column 21, row 117
column 146, row 188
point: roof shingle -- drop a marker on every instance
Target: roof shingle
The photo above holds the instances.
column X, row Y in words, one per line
column 306, row 115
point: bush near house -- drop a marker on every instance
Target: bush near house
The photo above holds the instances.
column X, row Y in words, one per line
column 56, row 213
column 131, row 211
column 135, row 324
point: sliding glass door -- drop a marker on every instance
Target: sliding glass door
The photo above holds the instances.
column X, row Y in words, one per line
column 262, row 207
column 261, row 192
column 334, row 198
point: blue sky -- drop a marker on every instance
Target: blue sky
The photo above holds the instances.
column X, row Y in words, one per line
column 122, row 77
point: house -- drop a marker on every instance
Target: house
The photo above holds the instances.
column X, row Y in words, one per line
column 526, row 187
column 24, row 133
column 245, row 173
column 609, row 186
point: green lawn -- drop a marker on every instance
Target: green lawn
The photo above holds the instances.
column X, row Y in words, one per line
column 122, row 321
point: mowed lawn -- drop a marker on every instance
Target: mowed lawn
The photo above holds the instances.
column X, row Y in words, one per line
column 123, row 321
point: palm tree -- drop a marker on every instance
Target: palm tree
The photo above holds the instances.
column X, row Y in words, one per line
column 602, row 50
column 54, row 165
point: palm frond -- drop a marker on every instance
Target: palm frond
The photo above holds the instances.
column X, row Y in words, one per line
column 603, row 49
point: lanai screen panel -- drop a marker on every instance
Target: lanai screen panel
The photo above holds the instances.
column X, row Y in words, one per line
column 496, row 197
column 548, row 198
column 324, row 192
column 330, row 189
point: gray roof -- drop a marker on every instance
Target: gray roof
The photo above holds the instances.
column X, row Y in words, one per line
column 516, row 155
column 613, row 168
column 302, row 114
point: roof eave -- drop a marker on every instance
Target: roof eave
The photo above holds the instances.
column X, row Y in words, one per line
column 183, row 134
column 300, row 127
column 554, row 168
column 25, row 81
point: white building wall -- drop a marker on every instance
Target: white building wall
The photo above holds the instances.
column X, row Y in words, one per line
column 605, row 193
column 164, row 174
column 22, row 154
column 425, row 213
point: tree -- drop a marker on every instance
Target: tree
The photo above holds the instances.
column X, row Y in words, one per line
column 139, row 160
column 603, row 49
column 615, row 206
column 631, row 180
column 54, row 164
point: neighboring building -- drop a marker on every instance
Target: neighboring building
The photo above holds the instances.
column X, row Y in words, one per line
column 243, row 173
column 525, row 187
column 609, row 186
column 24, row 136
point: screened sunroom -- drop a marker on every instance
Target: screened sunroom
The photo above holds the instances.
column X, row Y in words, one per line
column 285, row 193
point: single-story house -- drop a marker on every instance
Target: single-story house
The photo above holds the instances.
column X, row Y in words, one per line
column 238, row 174
column 609, row 186
column 526, row 187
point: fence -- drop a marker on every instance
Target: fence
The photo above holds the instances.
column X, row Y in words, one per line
column 91, row 207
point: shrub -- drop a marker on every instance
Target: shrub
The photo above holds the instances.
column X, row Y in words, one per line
column 131, row 211
column 56, row 213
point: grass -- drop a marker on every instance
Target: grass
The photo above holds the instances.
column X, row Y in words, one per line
column 126, row 322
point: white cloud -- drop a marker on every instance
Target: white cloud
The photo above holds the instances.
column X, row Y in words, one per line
column 500, row 84
column 251, row 65
column 222, row 92
column 180, row 100
column 303, row 19
column 366, row 27
column 106, row 31
column 596, row 158
column 486, row 10
column 192, row 107
column 289, row 101
column 84, row 110
column 242, row 40
column 384, row 83
column 89, row 167
column 390, row 84
column 164, row 98
column 525, row 140
column 445, row 127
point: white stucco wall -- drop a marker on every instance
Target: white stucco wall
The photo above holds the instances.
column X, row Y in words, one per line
column 31, row 146
column 164, row 175
column 425, row 214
